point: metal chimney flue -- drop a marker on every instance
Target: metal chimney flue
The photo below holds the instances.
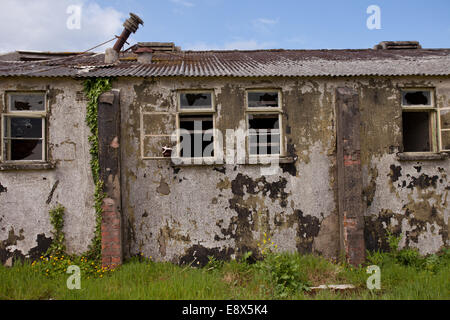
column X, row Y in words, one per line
column 130, row 25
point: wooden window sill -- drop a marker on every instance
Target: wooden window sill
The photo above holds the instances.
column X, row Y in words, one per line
column 190, row 162
column 12, row 166
column 421, row 156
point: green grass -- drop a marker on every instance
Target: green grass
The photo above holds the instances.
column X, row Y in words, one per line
column 145, row 279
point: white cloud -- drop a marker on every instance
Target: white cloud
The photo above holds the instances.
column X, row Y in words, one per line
column 183, row 3
column 232, row 45
column 42, row 25
column 264, row 24
column 266, row 21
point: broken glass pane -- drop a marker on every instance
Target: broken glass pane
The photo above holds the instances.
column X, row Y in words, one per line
column 22, row 127
column 196, row 136
column 195, row 101
column 27, row 102
column 264, row 134
column 414, row 98
column 262, row 99
column 23, row 149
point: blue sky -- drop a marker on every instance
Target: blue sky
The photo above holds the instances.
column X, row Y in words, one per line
column 224, row 24
column 289, row 23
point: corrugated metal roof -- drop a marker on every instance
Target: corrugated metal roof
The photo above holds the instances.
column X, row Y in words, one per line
column 257, row 63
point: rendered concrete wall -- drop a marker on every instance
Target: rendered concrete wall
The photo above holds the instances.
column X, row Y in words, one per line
column 27, row 195
column 408, row 198
column 174, row 213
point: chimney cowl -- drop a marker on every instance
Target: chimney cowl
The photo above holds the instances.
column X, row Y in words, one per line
column 130, row 25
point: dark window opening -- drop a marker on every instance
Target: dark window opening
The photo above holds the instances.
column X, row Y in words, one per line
column 416, row 131
column 262, row 99
column 196, row 136
column 24, row 149
column 264, row 134
column 23, row 138
column 195, row 100
column 411, row 98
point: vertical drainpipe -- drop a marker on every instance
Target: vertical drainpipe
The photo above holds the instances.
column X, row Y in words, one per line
column 108, row 123
column 109, row 161
column 350, row 204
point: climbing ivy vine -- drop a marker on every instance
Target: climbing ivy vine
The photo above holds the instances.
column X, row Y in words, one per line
column 57, row 221
column 93, row 88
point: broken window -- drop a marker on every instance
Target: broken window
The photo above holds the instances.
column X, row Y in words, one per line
column 264, row 134
column 195, row 100
column 419, row 121
column 196, row 125
column 23, row 127
column 416, row 98
column 27, row 102
column 416, row 131
column 264, row 122
column 196, row 136
column 258, row 99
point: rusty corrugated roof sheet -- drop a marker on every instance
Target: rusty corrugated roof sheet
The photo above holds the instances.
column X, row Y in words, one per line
column 256, row 63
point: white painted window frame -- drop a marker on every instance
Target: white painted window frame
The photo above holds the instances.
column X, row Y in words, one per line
column 7, row 113
column 434, row 121
column 264, row 111
column 144, row 135
column 197, row 111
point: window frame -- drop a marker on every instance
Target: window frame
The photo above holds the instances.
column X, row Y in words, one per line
column 7, row 113
column 197, row 112
column 433, row 113
column 264, row 111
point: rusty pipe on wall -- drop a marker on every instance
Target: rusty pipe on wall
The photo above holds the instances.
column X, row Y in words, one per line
column 130, row 25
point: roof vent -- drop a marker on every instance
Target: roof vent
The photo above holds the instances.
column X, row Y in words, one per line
column 145, row 50
column 156, row 46
column 398, row 45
